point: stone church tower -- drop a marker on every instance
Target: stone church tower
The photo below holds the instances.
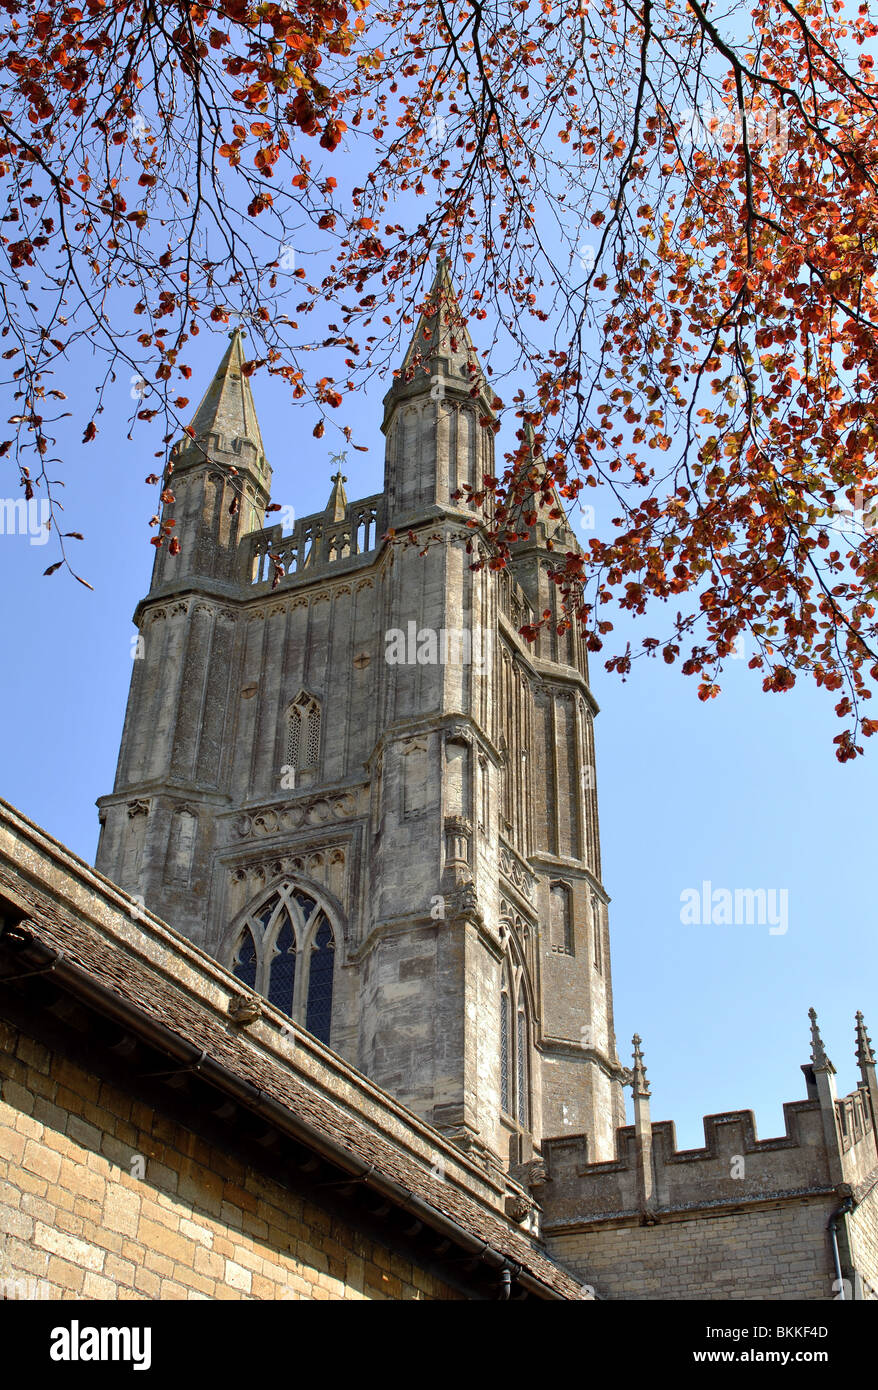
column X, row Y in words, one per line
column 355, row 785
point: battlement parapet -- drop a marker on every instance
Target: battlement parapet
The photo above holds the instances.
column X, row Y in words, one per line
column 733, row 1167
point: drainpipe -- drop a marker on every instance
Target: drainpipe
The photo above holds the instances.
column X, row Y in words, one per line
column 832, row 1226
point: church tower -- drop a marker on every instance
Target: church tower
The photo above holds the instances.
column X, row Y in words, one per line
column 346, row 775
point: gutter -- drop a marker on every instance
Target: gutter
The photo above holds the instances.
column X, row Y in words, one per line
column 194, row 1058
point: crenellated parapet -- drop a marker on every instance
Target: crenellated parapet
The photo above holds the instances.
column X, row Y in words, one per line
column 828, row 1147
column 732, row 1167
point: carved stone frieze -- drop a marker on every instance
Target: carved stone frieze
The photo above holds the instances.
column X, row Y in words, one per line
column 274, row 820
column 512, row 869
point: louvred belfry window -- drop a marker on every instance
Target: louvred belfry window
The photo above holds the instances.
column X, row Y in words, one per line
column 303, row 732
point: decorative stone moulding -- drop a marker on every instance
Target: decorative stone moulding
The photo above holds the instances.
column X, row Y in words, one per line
column 273, row 820
column 512, row 869
column 311, row 864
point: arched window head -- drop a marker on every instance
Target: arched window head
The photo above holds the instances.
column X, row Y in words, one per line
column 303, row 732
column 505, row 1073
column 522, row 1097
column 514, row 1046
column 285, row 950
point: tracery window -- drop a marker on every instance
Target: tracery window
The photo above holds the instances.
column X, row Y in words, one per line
column 505, row 1075
column 285, row 949
column 303, row 732
column 514, row 1045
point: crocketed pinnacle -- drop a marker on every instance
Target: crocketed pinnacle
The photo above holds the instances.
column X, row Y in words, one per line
column 441, row 332
column 865, row 1056
column 639, row 1083
column 818, row 1052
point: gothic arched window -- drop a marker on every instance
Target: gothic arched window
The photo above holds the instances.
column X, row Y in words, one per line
column 285, row 949
column 521, row 1060
column 303, row 732
column 514, row 1045
column 505, row 1075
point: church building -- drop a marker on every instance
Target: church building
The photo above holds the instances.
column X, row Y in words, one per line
column 332, row 1015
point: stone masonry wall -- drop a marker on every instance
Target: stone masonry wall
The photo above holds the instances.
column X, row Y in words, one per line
column 780, row 1254
column 76, row 1222
column 863, row 1227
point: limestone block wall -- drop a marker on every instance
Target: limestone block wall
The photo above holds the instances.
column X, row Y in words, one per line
column 78, row 1221
column 863, row 1228
column 781, row 1253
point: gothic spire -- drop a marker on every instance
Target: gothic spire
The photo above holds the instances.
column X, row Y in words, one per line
column 818, row 1052
column 227, row 408
column 441, row 333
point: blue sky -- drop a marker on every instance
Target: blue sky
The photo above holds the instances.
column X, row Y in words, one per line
column 744, row 791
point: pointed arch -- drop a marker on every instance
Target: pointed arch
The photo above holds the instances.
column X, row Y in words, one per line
column 505, row 1048
column 284, row 946
column 181, row 845
column 522, row 1060
column 515, row 1038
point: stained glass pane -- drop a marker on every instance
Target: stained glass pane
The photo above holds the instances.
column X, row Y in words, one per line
column 244, row 967
column 505, row 1095
column 521, row 1060
column 283, row 968
column 319, row 1016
